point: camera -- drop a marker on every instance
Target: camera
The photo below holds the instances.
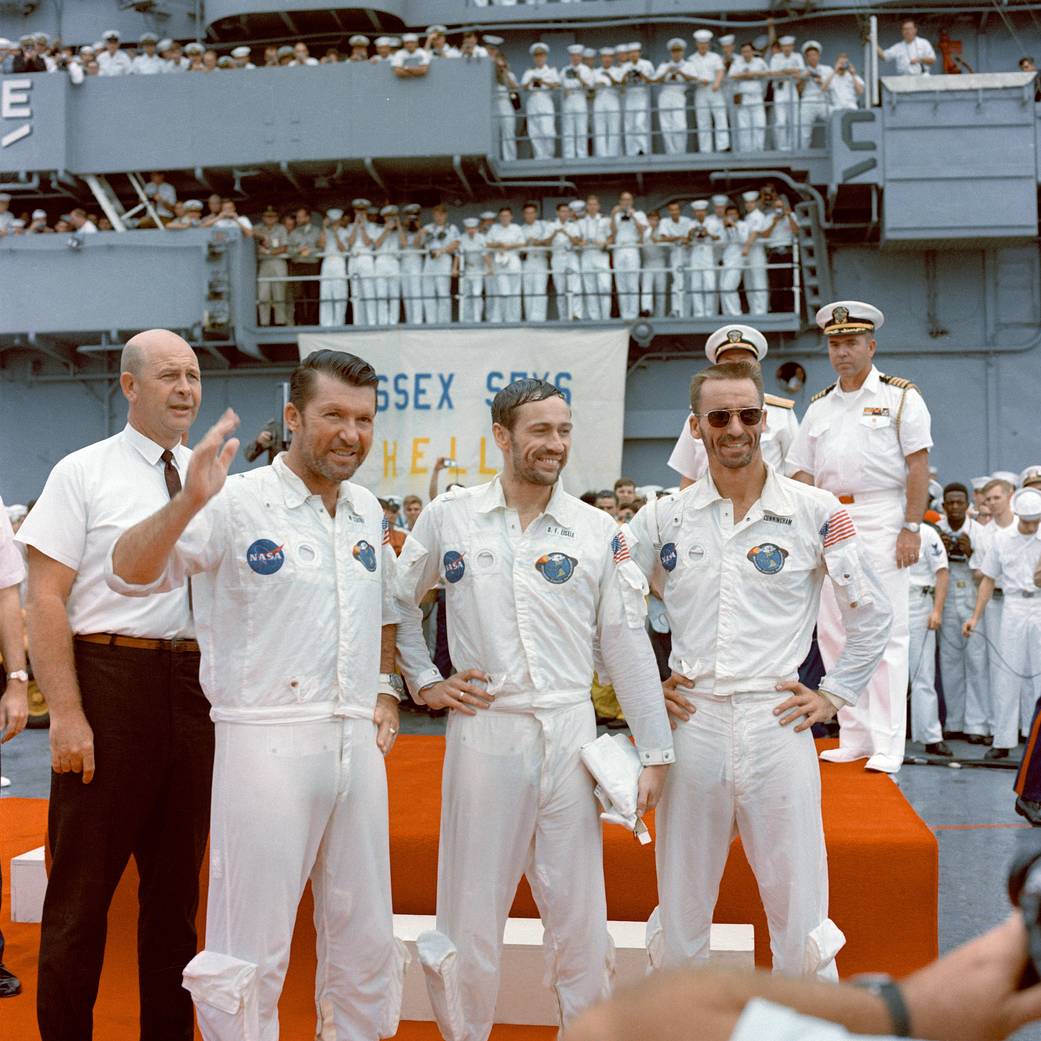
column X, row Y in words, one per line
column 626, row 215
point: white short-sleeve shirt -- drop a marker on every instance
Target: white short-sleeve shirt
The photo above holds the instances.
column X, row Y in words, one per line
column 1011, row 560
column 751, row 91
column 91, row 497
column 12, row 567
column 908, row 56
column 932, row 558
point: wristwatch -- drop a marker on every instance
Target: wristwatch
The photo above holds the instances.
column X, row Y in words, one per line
column 888, row 990
column 391, row 683
column 18, row 674
column 911, row 526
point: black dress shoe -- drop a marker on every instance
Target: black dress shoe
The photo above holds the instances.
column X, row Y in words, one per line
column 954, row 735
column 1029, row 809
column 997, row 753
column 939, row 748
column 977, row 739
column 10, row 984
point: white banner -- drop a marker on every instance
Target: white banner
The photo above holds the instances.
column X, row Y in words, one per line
column 436, row 389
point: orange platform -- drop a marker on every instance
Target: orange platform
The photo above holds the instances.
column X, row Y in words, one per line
column 884, row 879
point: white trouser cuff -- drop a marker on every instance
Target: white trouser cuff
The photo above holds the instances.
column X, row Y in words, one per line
column 224, row 990
column 440, row 961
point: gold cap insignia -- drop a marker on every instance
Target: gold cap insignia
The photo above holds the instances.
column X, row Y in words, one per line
column 734, row 335
column 840, row 314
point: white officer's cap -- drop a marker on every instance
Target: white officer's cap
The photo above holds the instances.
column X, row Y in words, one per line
column 196, row 204
column 589, row 52
column 575, row 48
column 240, row 52
column 492, row 41
column 226, row 62
column 1031, row 475
column 978, row 483
column 358, row 40
column 431, row 30
column 729, row 337
column 1026, row 504
column 382, row 41
column 394, row 41
column 165, row 44
column 488, row 215
column 110, row 34
column 471, row 222
column 197, row 48
column 18, row 223
column 39, row 214
column 576, row 205
column 750, row 196
column 787, row 41
column 409, row 38
column 389, row 211
column 411, row 208
column 811, row 45
column 849, row 316
column 360, row 204
column 720, row 200
column 726, row 41
column 637, row 46
column 703, row 35
column 149, row 38
column 676, row 43
column 538, row 48
column 334, row 214
column 699, row 204
column 608, row 50
column 1005, row 475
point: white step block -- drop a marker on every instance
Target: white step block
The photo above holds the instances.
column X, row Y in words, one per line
column 28, row 886
column 524, row 999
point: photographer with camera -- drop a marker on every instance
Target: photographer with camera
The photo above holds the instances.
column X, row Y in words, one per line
column 362, row 269
column 844, row 87
column 628, row 228
column 595, row 253
column 704, row 234
column 332, row 290
column 442, row 240
column 675, row 230
column 780, row 251
column 505, row 241
column 471, row 265
column 575, row 80
column 411, row 239
column 387, row 269
column 507, row 100
column 674, row 74
column 564, row 235
column 785, row 70
column 635, row 75
column 539, row 82
column 813, row 83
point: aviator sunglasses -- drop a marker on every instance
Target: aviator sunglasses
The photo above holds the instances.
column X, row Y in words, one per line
column 720, row 417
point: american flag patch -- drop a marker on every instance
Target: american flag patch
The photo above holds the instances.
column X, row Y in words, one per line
column 386, row 532
column 839, row 526
column 620, row 548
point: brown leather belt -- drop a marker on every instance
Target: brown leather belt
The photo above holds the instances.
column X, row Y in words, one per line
column 140, row 643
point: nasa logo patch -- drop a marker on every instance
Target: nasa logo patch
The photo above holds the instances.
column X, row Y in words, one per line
column 265, row 557
column 767, row 558
column 556, row 568
column 365, row 553
column 455, row 566
column 668, row 556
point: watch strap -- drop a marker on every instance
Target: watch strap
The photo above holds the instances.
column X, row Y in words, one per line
column 889, row 991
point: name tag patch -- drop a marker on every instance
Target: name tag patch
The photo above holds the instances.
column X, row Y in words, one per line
column 776, row 518
column 265, row 557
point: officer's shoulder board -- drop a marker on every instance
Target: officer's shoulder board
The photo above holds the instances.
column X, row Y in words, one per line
column 823, row 393
column 899, row 382
column 773, row 399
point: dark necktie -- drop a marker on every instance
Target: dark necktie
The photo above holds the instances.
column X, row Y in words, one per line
column 173, row 486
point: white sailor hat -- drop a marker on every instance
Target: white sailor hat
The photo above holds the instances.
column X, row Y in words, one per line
column 197, row 48
column 787, row 41
column 576, row 205
column 575, row 48
column 750, row 196
column 39, row 214
column 1031, row 475
column 18, row 223
column 4, row 197
column 4, row 43
column 538, row 48
column 110, row 34
column 471, row 222
column 394, row 41
column 26, row 40
column 409, row 38
column 165, row 44
column 334, row 214
column 608, row 50
column 720, row 200
column 703, row 35
column 978, row 483
column 411, row 208
column 1005, row 475
column 761, row 42
column 729, row 337
column 677, row 44
column 492, row 41
column 487, row 215
column 358, row 40
column 196, row 204
column 589, row 52
column 849, row 316
column 360, row 204
column 636, row 46
column 436, row 29
column 148, row 38
column 389, row 211
column 382, row 41
column 240, row 52
column 811, row 45
column 726, row 41
column 699, row 204
column 1026, row 504
column 226, row 62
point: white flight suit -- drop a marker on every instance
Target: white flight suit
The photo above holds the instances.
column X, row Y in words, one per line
column 595, row 261
column 299, row 784
column 678, row 256
column 710, row 107
column 332, row 291
column 672, row 105
column 786, row 100
column 925, row 703
column 387, row 281
column 855, row 444
column 506, row 116
column 525, row 607
column 654, row 276
column 963, row 663
column 412, row 254
column 757, row 290
column 535, row 267
column 565, row 266
column 362, row 273
column 636, row 105
column 540, row 111
column 1011, row 560
column 626, row 260
column 741, row 598
column 507, row 266
column 437, row 273
column 702, row 265
column 813, row 105
column 607, row 115
column 472, row 269
column 575, row 80
column 734, row 237
column 690, row 460
column 751, row 112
